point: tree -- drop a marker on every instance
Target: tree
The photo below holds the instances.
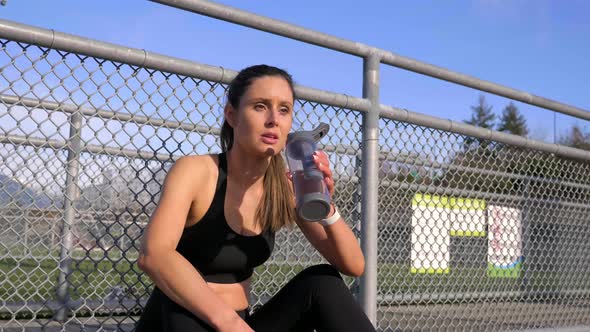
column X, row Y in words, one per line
column 576, row 138
column 482, row 114
column 512, row 121
column 482, row 117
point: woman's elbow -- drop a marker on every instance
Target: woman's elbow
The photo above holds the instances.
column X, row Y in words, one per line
column 142, row 263
column 355, row 269
column 359, row 268
column 147, row 263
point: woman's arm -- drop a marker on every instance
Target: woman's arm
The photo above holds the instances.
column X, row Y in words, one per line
column 170, row 271
column 335, row 242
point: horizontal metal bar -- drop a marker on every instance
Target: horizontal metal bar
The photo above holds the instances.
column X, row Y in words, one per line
column 259, row 22
column 123, row 304
column 332, row 99
column 471, row 297
column 59, row 145
column 482, row 85
column 384, row 155
column 32, row 141
column 70, row 108
column 142, row 58
column 340, row 149
column 574, row 328
column 430, row 298
column 404, row 115
column 277, row 27
column 473, row 193
column 95, row 149
column 417, row 161
column 384, row 300
column 70, row 43
column 128, row 153
column 111, row 151
column 123, row 117
column 132, row 56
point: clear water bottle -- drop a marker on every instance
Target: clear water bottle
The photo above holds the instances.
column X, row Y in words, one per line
column 311, row 193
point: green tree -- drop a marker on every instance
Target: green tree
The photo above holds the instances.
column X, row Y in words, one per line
column 482, row 116
column 512, row 121
column 577, row 138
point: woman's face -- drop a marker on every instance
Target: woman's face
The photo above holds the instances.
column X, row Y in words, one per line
column 264, row 116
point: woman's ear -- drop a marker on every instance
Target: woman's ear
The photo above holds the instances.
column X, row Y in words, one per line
column 230, row 114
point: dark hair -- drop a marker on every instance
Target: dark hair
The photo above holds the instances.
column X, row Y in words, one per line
column 276, row 207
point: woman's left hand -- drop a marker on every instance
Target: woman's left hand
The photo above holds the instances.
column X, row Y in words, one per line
column 323, row 163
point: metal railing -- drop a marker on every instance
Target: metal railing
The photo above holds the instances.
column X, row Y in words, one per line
column 88, row 130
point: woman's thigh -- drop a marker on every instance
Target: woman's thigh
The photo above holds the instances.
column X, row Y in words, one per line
column 163, row 314
column 151, row 316
column 317, row 298
column 176, row 318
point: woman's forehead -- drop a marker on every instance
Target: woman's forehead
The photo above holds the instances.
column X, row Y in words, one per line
column 270, row 87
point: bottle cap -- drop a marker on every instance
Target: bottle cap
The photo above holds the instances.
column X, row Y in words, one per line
column 313, row 207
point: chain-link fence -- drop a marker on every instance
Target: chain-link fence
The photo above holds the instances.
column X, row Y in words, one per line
column 476, row 235
column 472, row 234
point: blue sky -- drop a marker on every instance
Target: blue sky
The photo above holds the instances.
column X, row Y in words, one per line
column 537, row 46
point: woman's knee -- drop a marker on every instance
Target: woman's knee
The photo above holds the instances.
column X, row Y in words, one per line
column 322, row 277
column 151, row 318
column 320, row 270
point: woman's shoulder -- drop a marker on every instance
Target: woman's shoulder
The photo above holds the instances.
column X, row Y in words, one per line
column 199, row 160
column 194, row 167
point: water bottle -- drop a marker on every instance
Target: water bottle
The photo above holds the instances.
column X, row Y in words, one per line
column 311, row 193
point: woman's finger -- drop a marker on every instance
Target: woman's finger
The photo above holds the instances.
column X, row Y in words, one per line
column 321, row 157
column 330, row 184
column 323, row 163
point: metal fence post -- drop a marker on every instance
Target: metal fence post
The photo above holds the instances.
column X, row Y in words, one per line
column 369, row 185
column 356, row 214
column 73, row 165
column 26, row 235
column 526, row 237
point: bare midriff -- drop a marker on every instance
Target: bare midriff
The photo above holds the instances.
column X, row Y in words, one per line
column 235, row 295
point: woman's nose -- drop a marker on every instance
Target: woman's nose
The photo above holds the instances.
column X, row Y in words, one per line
column 272, row 118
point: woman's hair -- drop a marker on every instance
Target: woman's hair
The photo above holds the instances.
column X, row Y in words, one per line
column 275, row 210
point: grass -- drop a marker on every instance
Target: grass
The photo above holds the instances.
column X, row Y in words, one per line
column 93, row 278
column 36, row 280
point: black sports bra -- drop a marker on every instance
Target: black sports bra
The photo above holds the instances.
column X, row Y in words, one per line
column 219, row 253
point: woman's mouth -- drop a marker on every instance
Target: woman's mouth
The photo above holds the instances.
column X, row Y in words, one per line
column 270, row 138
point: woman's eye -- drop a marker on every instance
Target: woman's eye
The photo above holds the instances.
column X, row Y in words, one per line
column 285, row 110
column 260, row 107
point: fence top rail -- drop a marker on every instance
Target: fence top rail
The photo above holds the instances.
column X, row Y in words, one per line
column 259, row 22
column 142, row 58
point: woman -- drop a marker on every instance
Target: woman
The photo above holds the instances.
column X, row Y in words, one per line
column 216, row 221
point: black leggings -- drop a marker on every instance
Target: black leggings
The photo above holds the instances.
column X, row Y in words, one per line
column 316, row 299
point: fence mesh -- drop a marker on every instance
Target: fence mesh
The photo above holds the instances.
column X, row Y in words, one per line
column 473, row 234
column 478, row 235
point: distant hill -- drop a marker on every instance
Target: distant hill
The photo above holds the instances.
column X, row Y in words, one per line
column 15, row 194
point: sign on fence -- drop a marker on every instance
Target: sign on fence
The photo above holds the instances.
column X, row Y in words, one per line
column 504, row 242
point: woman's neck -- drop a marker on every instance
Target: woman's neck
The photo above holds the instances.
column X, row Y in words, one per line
column 245, row 170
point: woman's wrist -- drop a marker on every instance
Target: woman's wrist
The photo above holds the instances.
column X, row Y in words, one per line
column 331, row 219
column 225, row 321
